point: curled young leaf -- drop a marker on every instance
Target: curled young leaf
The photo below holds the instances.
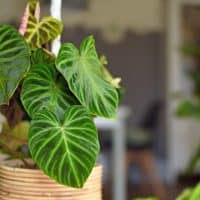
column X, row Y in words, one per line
column 38, row 32
column 107, row 75
column 32, row 9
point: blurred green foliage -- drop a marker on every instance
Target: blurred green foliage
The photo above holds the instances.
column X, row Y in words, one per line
column 186, row 194
column 190, row 193
column 191, row 108
column 148, row 198
column 191, row 49
column 14, row 139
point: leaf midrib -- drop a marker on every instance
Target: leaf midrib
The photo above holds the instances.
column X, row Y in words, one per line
column 63, row 135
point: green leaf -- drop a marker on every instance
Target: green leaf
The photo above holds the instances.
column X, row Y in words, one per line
column 188, row 109
column 32, row 9
column 83, row 73
column 185, row 195
column 191, row 49
column 65, row 149
column 15, row 137
column 44, row 88
column 195, row 193
column 39, row 32
column 21, row 130
column 11, row 142
column 14, row 61
column 190, row 193
column 40, row 56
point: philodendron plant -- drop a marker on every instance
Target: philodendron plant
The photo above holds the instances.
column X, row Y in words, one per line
column 61, row 95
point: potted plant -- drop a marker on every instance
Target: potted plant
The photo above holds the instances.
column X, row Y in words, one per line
column 61, row 95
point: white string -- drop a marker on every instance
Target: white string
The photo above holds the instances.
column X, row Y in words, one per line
column 56, row 8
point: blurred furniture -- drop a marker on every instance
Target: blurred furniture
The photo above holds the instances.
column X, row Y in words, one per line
column 118, row 129
column 139, row 150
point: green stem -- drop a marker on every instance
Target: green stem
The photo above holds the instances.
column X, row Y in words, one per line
column 49, row 52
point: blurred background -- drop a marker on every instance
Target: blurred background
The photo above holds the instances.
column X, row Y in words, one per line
column 154, row 46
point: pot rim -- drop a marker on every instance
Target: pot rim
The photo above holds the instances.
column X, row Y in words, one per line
column 7, row 167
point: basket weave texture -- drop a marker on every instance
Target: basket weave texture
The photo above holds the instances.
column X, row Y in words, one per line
column 29, row 184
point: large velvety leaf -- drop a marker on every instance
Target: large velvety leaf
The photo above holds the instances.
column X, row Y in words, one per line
column 43, row 88
column 65, row 149
column 40, row 56
column 14, row 61
column 83, row 73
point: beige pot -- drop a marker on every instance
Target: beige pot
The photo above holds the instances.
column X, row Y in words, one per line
column 28, row 184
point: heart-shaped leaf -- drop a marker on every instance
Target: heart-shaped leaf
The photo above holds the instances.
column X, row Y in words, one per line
column 14, row 61
column 83, row 73
column 40, row 56
column 39, row 32
column 44, row 88
column 65, row 149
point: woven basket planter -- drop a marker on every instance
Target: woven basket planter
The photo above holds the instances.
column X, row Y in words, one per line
column 28, row 184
